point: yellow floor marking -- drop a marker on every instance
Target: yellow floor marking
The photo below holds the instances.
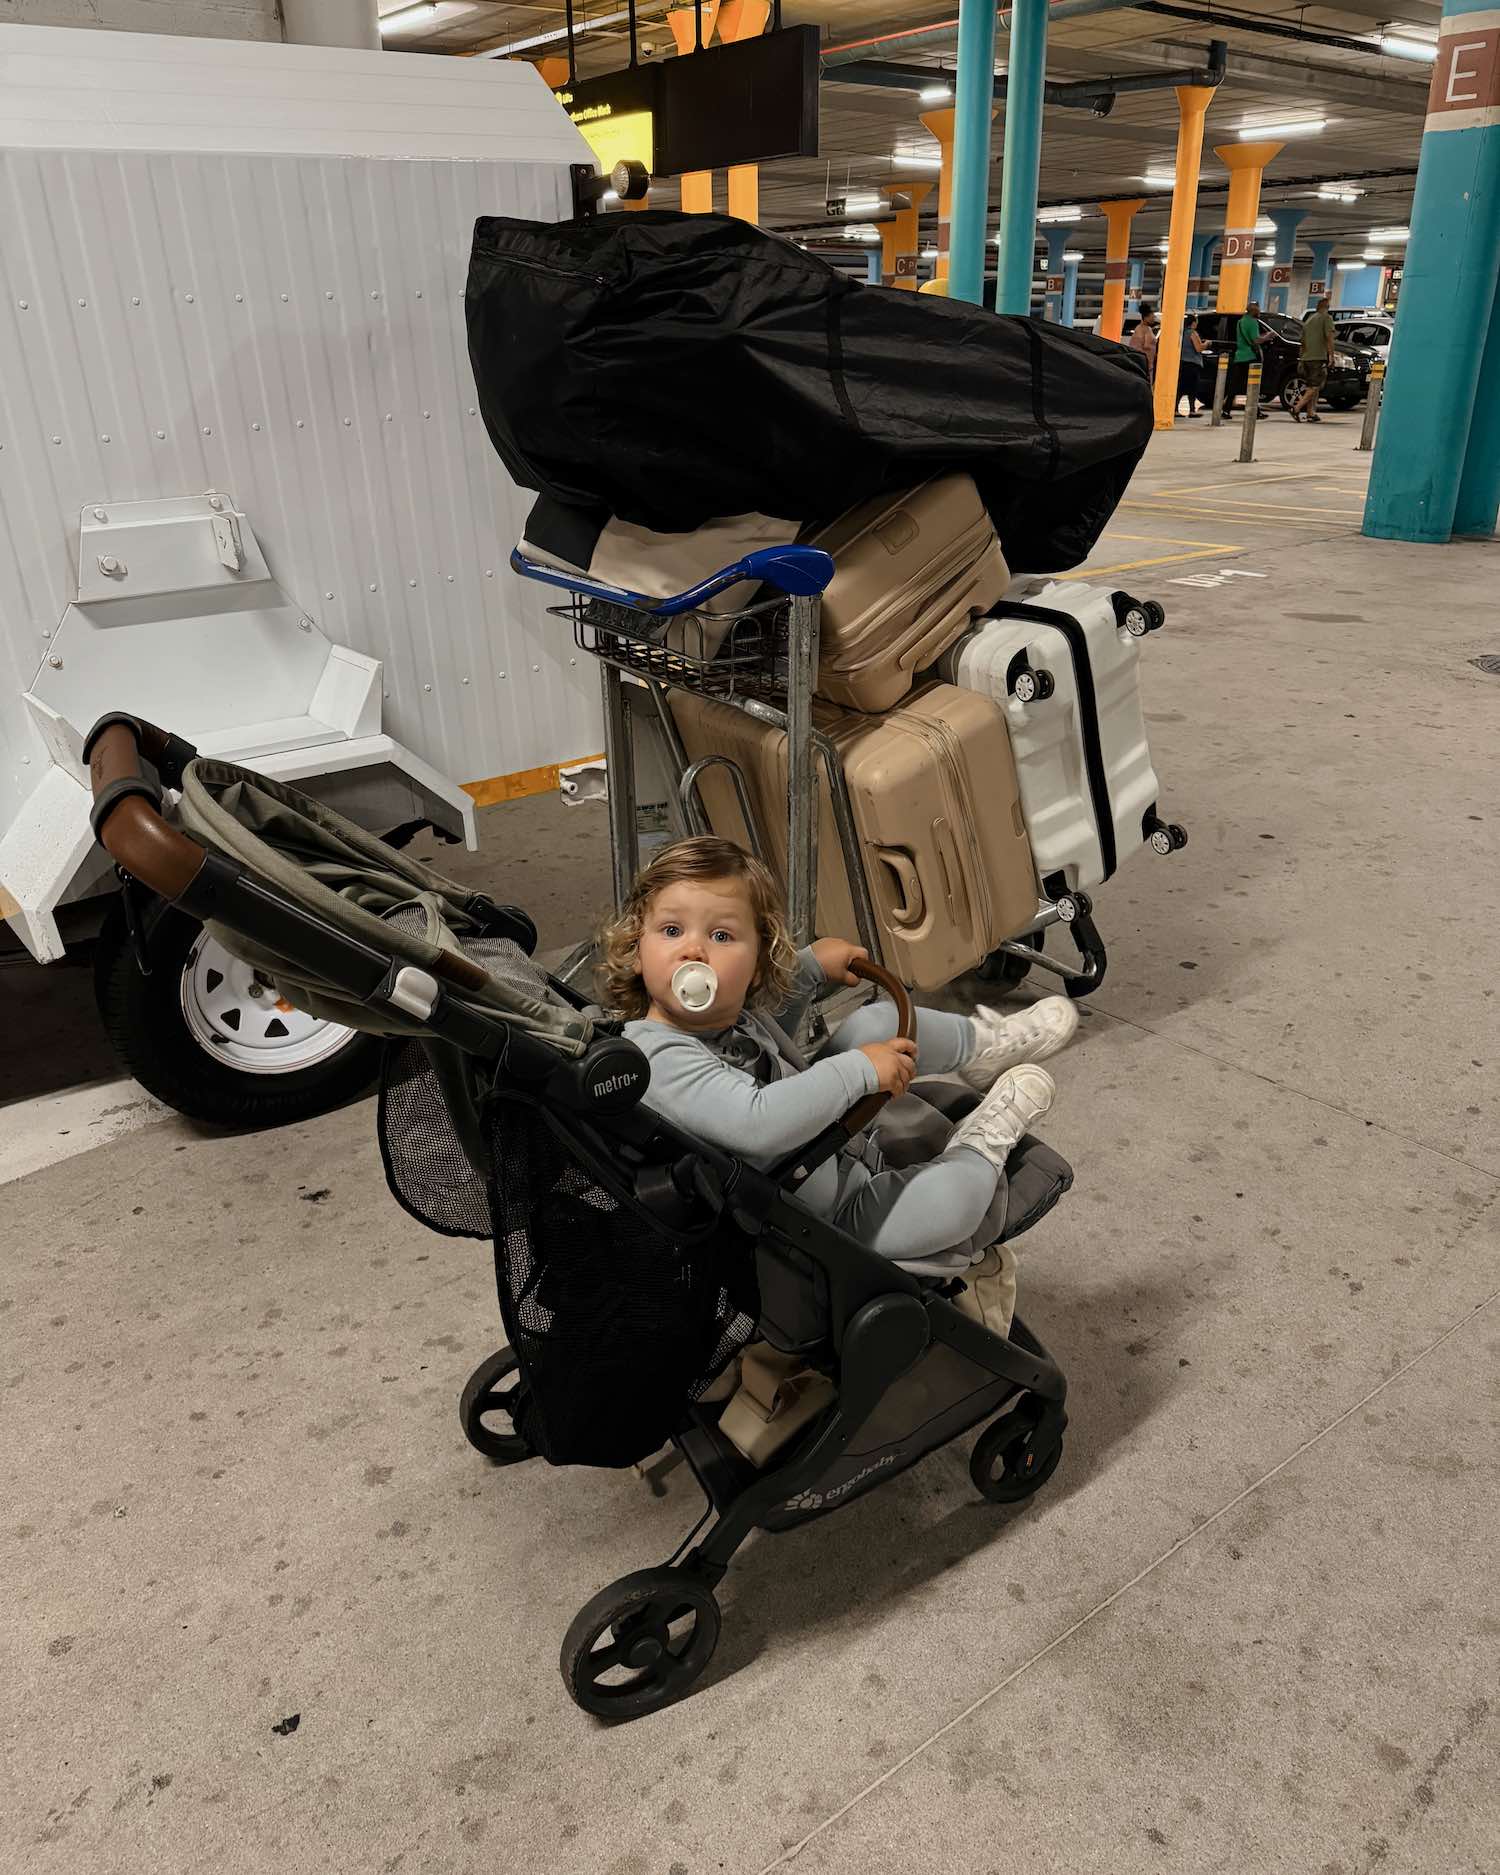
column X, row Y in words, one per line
column 1161, row 559
column 1243, row 481
column 1165, row 540
column 1221, row 516
column 1234, row 507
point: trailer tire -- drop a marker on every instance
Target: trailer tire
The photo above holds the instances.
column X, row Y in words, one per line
column 169, row 1031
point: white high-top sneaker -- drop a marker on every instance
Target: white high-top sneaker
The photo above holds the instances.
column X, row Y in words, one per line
column 1012, row 1107
column 1031, row 1034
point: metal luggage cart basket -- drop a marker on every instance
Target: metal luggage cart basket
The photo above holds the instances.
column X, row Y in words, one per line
column 761, row 658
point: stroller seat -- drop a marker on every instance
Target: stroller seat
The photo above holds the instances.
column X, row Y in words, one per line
column 631, row 1262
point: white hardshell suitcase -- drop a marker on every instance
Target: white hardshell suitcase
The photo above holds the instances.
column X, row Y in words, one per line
column 1063, row 662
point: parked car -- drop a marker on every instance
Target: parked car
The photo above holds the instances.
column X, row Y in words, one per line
column 1367, row 331
column 1281, row 342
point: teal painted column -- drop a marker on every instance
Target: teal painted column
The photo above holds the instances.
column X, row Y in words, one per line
column 1288, row 221
column 1199, row 293
column 1133, row 288
column 1360, row 286
column 1436, row 442
column 1478, row 504
column 873, row 269
column 1258, row 284
column 1070, row 287
column 1026, row 74
column 1321, row 280
column 974, row 109
column 1057, row 240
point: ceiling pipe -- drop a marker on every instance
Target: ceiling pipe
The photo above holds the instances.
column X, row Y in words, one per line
column 941, row 31
column 1085, row 94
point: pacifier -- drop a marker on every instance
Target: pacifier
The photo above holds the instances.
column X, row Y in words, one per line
column 695, row 986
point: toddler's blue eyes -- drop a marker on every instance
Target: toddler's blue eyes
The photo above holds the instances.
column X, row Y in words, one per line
column 723, row 937
column 671, row 930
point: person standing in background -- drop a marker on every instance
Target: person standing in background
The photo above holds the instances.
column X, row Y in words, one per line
column 1190, row 379
column 1247, row 350
column 1143, row 339
column 1314, row 360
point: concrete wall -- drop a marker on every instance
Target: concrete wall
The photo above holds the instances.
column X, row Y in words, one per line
column 203, row 19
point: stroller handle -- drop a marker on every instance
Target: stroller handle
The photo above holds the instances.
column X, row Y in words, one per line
column 863, row 1111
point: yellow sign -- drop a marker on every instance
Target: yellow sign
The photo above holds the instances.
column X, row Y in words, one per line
column 615, row 138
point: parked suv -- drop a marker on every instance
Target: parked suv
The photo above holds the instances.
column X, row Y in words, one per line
column 1368, row 331
column 1281, row 342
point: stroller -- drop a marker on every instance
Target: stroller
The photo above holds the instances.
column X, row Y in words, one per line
column 632, row 1262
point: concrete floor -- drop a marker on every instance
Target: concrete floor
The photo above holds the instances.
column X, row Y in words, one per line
column 1252, row 1625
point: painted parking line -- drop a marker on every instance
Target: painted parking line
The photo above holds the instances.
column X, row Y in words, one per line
column 49, row 1128
column 1161, row 559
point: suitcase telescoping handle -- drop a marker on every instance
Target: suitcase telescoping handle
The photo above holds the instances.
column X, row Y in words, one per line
column 863, row 1111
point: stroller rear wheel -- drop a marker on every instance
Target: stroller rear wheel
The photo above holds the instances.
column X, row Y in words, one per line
column 1008, row 1462
column 641, row 1643
column 487, row 1394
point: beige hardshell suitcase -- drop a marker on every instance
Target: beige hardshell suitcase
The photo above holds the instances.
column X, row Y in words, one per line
column 936, row 809
column 913, row 571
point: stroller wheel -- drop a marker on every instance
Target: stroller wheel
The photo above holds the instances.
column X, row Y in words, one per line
column 641, row 1643
column 1007, row 1464
column 485, row 1395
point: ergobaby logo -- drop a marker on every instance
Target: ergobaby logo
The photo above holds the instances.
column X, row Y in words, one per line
column 815, row 1500
column 612, row 1084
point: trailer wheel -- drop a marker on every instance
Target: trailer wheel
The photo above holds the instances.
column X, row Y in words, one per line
column 204, row 1037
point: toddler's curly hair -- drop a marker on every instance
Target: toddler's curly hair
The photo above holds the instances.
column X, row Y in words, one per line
column 699, row 860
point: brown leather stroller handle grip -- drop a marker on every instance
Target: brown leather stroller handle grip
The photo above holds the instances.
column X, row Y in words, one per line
column 863, row 1111
column 130, row 829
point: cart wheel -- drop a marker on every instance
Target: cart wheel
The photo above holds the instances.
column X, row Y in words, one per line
column 1004, row 970
column 485, row 1394
column 1177, row 835
column 1007, row 1464
column 641, row 1643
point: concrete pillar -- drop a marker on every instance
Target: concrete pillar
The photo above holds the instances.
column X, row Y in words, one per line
column 899, row 238
column 1288, row 221
column 1026, row 75
column 1057, row 240
column 1071, row 263
column 940, row 123
column 974, row 109
column 1436, row 451
column 1320, row 280
column 331, row 23
column 1119, row 216
column 1192, row 102
column 1246, row 164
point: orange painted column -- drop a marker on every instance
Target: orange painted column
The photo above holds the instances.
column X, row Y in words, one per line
column 900, row 237
column 743, row 19
column 554, row 72
column 1119, row 215
column 697, row 188
column 1246, row 164
column 940, row 123
column 1192, row 103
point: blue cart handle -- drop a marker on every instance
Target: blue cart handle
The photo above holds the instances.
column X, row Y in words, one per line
column 799, row 572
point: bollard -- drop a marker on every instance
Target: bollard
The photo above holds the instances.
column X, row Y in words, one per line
column 1221, row 378
column 1252, row 411
column 1373, row 396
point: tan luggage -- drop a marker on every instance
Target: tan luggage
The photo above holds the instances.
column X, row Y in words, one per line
column 914, row 571
column 936, row 808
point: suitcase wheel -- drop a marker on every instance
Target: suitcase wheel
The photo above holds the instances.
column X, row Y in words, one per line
column 1168, row 837
column 1033, row 686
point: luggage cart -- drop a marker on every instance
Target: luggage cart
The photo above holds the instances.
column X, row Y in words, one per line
column 763, row 660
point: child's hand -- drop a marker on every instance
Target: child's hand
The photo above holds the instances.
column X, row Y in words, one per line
column 834, row 957
column 894, row 1063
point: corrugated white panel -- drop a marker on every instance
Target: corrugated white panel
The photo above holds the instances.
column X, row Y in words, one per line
column 62, row 89
column 290, row 330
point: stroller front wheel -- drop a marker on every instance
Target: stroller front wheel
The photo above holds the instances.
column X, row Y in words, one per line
column 1008, row 1464
column 641, row 1643
column 487, row 1394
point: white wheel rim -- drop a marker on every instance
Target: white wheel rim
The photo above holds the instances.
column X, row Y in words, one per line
column 255, row 1033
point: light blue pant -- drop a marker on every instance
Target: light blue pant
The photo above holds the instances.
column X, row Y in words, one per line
column 953, row 1202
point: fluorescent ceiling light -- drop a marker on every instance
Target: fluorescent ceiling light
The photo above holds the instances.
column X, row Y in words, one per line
column 1299, row 127
column 1390, row 234
column 929, row 253
column 1374, row 253
column 1059, row 215
column 934, row 94
column 909, row 159
column 408, row 16
column 1265, row 225
column 864, row 204
column 1404, row 46
column 1340, row 195
column 1072, row 255
column 861, row 231
column 1352, row 266
column 1160, row 179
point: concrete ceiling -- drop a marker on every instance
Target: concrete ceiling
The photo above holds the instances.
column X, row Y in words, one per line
column 1374, row 105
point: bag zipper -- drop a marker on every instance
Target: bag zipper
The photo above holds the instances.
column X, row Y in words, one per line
column 543, row 266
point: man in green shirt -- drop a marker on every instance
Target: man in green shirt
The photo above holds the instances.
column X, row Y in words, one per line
column 1312, row 365
column 1246, row 351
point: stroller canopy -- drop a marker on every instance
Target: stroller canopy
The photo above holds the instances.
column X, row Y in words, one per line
column 674, row 368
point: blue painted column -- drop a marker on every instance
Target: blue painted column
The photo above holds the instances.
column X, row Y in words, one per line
column 1026, row 73
column 1133, row 287
column 1199, row 294
column 1070, row 287
column 1258, row 283
column 874, row 269
column 1057, row 240
column 1288, row 221
column 974, row 108
column 1360, row 286
column 1321, row 279
column 1436, row 442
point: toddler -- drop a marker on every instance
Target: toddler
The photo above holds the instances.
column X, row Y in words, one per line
column 723, row 1071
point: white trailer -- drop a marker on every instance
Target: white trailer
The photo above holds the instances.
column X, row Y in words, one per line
column 245, row 490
